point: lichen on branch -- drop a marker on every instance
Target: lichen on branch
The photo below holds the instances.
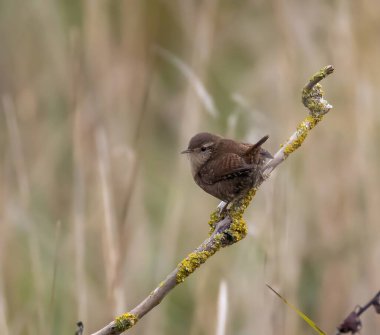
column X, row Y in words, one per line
column 229, row 227
column 125, row 321
column 313, row 100
column 191, row 263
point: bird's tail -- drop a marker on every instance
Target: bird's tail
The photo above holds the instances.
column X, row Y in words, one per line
column 261, row 141
column 257, row 148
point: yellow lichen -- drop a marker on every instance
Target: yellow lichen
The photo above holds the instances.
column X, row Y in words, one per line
column 238, row 229
column 214, row 218
column 302, row 131
column 217, row 242
column 240, row 206
column 191, row 263
column 312, row 99
column 125, row 321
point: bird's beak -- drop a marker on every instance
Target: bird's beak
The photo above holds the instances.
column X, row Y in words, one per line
column 187, row 151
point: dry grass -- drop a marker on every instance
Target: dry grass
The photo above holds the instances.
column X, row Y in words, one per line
column 93, row 119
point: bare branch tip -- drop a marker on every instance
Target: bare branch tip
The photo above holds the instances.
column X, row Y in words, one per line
column 317, row 77
column 80, row 328
column 329, row 69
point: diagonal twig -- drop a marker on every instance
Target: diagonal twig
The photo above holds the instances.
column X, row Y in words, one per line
column 352, row 323
column 229, row 229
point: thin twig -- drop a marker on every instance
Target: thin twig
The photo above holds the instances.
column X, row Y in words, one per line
column 80, row 328
column 312, row 98
column 227, row 230
column 352, row 323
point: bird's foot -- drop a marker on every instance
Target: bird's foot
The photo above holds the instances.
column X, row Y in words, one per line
column 223, row 209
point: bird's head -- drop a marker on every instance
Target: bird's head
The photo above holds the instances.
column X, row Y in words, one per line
column 200, row 149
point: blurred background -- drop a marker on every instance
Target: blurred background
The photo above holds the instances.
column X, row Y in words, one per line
column 97, row 99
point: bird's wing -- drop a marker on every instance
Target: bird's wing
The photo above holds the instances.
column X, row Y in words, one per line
column 224, row 167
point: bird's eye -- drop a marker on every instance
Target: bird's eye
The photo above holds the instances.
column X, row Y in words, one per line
column 203, row 148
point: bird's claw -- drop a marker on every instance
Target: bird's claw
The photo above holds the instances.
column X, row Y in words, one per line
column 222, row 208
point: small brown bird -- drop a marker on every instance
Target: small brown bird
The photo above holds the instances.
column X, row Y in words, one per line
column 225, row 168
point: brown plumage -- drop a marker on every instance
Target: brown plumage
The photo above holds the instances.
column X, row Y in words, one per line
column 225, row 168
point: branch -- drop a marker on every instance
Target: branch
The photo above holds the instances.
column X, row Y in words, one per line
column 229, row 227
column 352, row 323
column 79, row 330
column 312, row 98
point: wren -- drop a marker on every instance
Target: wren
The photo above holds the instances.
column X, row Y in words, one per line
column 225, row 168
